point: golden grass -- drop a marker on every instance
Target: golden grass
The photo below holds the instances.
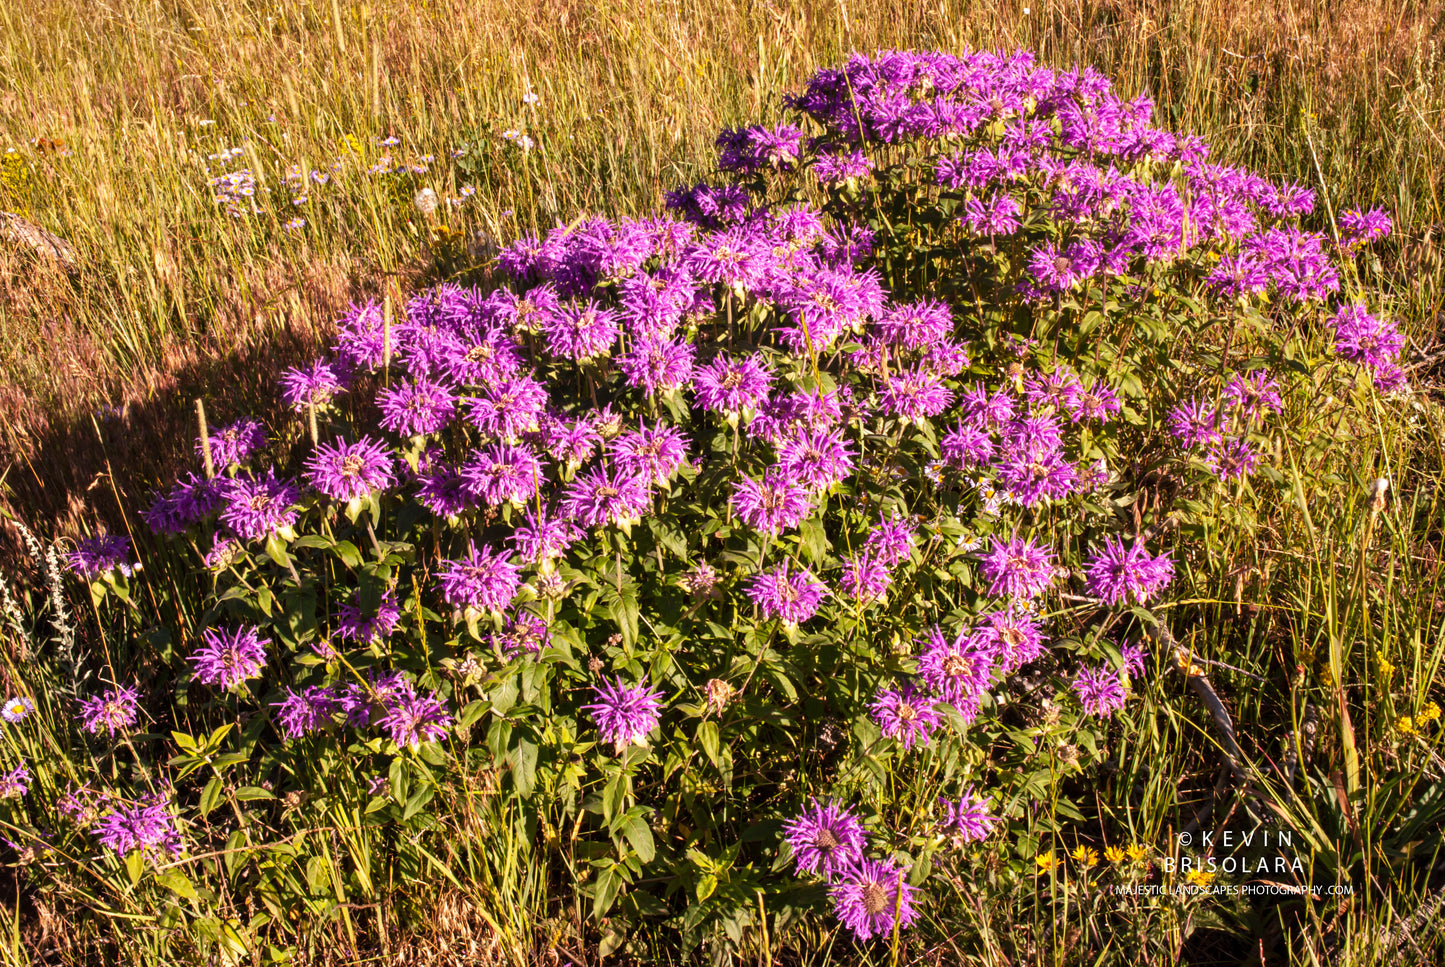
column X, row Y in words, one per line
column 108, row 111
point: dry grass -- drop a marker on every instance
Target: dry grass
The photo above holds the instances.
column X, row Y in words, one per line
column 106, row 111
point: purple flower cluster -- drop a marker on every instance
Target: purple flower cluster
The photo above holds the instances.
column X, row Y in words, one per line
column 145, row 825
column 625, row 714
column 114, row 711
column 1120, row 574
column 1371, row 342
column 235, row 443
column 94, row 556
column 228, row 658
column 1100, row 690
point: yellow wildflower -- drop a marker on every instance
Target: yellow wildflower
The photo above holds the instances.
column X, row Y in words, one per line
column 1137, row 852
column 1384, row 664
column 1085, row 855
column 1198, row 878
column 1114, row 854
column 1429, row 713
column 1046, row 862
column 1405, row 725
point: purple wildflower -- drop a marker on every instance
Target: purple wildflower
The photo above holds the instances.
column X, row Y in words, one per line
column 190, row 500
column 525, row 632
column 1254, row 394
column 825, row 839
column 306, row 711
column 654, row 454
column 657, row 365
column 969, row 817
column 1195, row 423
column 542, row 539
column 508, row 408
column 772, row 504
column 958, row 671
column 482, row 579
column 1120, row 574
column 916, row 325
column 312, row 385
column 15, row 783
column 866, row 896
column 914, row 394
column 792, row 596
column 356, row 624
column 580, row 331
column 891, row 541
column 1359, row 228
column 1366, row 339
column 227, row 658
column 865, row 578
column 1233, row 458
column 234, row 444
column 1100, row 690
column 967, row 446
column 94, row 556
column 598, row 497
column 258, row 506
column 1015, row 636
column 1019, row 568
column 146, row 825
column 818, row 460
column 1133, row 657
column 350, row 471
column 416, row 407
column 112, row 711
column 413, row 717
column 503, row 473
column 905, row 714
column 624, row 715
column 730, row 386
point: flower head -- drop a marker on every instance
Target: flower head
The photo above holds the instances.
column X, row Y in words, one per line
column 825, row 839
column 306, row 711
column 1018, row 568
column 16, row 708
column 905, row 714
column 258, row 506
column 868, row 895
column 112, row 711
column 1120, row 574
column 792, row 596
column 94, row 556
column 227, row 658
column 349, row 471
column 969, row 817
column 482, row 579
column 624, row 715
column 1100, row 690
column 146, row 825
column 234, row 444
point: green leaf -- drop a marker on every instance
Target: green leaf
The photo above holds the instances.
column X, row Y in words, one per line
column 418, row 802
column 524, row 767
column 276, row 550
column 348, row 553
column 707, row 737
column 639, row 835
column 210, row 796
column 606, row 891
column 177, row 882
column 248, row 793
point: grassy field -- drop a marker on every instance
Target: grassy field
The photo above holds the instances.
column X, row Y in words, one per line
column 108, row 117
column 115, row 119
